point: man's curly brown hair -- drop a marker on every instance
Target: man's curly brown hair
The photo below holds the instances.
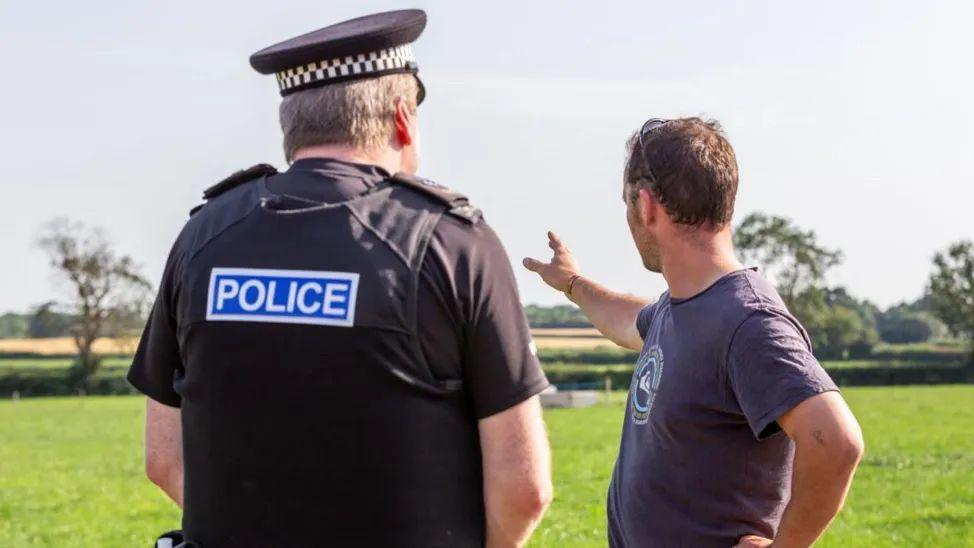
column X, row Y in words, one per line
column 692, row 171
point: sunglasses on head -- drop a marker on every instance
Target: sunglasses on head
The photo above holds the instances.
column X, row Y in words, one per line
column 649, row 126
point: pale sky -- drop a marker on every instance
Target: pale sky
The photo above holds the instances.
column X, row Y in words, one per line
column 852, row 118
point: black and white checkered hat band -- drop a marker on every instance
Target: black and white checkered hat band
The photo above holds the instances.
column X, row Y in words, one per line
column 397, row 59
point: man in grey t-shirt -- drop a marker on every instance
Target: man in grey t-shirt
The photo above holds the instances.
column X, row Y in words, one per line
column 734, row 434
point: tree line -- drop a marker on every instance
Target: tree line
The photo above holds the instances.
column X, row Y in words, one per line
column 840, row 325
column 106, row 295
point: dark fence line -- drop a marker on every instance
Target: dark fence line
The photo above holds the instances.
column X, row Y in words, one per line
column 919, row 355
column 603, row 355
column 598, row 356
column 892, row 376
column 847, row 376
column 29, row 382
column 34, row 382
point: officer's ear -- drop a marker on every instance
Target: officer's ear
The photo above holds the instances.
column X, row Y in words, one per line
column 405, row 121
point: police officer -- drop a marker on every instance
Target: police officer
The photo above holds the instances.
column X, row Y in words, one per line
column 337, row 355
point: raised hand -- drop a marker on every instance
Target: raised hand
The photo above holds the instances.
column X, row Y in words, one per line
column 559, row 272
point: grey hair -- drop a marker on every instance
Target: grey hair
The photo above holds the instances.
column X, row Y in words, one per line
column 357, row 113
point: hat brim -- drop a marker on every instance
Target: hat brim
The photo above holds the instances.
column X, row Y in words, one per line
column 421, row 94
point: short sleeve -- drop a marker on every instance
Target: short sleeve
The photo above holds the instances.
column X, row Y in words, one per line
column 644, row 318
column 771, row 369
column 157, row 362
column 474, row 285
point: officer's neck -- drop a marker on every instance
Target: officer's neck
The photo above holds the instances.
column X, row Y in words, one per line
column 386, row 157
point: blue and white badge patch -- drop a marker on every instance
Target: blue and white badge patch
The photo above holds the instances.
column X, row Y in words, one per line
column 282, row 296
column 645, row 384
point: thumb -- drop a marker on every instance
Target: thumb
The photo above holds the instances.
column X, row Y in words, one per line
column 533, row 265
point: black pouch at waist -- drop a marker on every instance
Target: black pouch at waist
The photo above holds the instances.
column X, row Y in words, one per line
column 175, row 539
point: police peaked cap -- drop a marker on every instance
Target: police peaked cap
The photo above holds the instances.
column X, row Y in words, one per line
column 364, row 47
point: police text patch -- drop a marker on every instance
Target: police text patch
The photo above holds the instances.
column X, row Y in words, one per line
column 282, row 296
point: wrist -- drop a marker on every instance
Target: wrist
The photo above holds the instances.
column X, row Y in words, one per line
column 572, row 285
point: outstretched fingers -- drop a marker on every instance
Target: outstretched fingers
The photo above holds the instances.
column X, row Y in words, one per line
column 555, row 243
column 533, row 265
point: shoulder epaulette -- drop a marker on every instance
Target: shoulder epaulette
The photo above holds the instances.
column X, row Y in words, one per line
column 239, row 178
column 233, row 181
column 459, row 204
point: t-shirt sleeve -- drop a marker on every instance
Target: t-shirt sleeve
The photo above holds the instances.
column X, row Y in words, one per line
column 157, row 362
column 495, row 352
column 644, row 318
column 771, row 369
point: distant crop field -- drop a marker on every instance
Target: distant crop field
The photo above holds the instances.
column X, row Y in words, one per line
column 572, row 343
column 58, row 362
column 570, row 339
column 567, row 332
column 65, row 346
column 544, row 338
column 71, row 472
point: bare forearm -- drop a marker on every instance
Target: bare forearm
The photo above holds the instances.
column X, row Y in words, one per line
column 819, row 487
column 164, row 448
column 517, row 473
column 613, row 314
column 828, row 447
column 172, row 486
column 507, row 528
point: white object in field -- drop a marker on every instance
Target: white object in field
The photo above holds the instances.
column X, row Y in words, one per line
column 164, row 543
column 570, row 398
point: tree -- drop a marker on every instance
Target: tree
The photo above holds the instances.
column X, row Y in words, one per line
column 837, row 331
column 839, row 325
column 868, row 312
column 103, row 286
column 900, row 324
column 865, row 330
column 841, row 330
column 788, row 255
column 951, row 288
column 47, row 321
column 13, row 326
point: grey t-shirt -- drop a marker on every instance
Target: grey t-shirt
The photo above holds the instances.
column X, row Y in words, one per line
column 702, row 460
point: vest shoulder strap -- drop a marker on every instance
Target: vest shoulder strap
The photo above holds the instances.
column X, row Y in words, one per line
column 457, row 204
column 240, row 177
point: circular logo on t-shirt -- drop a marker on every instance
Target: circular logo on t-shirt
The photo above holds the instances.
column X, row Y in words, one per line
column 645, row 383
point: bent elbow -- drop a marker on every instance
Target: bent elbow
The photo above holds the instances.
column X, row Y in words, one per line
column 851, row 451
column 158, row 471
column 533, row 500
column 544, row 498
column 857, row 448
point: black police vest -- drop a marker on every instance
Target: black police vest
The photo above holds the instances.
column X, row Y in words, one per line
column 310, row 415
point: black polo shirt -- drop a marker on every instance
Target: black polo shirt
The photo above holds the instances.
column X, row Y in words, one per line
column 297, row 433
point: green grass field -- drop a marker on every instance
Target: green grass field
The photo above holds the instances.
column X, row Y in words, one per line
column 71, row 472
column 915, row 485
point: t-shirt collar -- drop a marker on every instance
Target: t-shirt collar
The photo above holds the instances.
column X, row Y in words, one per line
column 717, row 282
